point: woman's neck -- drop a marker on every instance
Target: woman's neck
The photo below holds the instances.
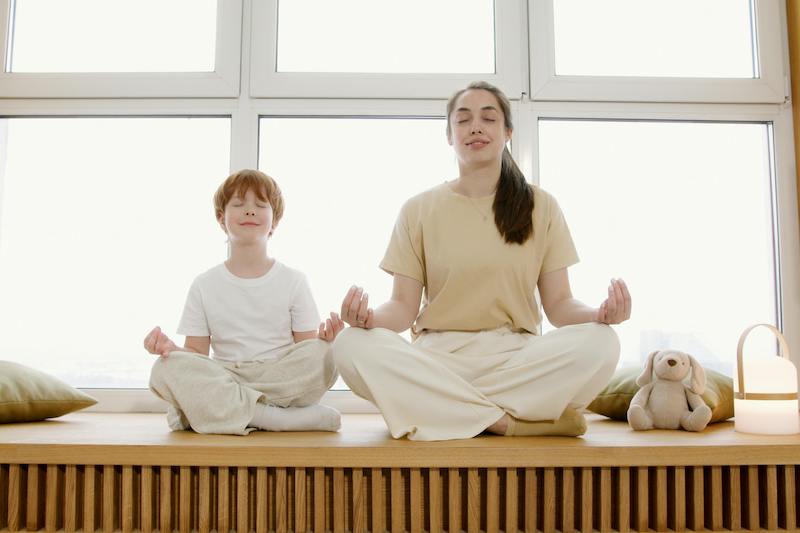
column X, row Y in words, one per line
column 479, row 181
column 249, row 261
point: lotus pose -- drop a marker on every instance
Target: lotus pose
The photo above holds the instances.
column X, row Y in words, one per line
column 271, row 359
column 477, row 248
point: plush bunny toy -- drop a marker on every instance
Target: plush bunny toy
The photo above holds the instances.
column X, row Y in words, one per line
column 663, row 401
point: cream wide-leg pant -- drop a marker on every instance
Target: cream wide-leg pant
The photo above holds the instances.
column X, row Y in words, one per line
column 215, row 396
column 453, row 384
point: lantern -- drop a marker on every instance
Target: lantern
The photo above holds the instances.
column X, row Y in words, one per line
column 765, row 391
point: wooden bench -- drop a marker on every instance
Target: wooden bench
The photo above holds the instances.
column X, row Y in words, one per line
column 126, row 472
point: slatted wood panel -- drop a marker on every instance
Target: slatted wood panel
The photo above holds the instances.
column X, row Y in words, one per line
column 169, row 499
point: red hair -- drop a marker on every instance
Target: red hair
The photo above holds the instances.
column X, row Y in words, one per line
column 238, row 183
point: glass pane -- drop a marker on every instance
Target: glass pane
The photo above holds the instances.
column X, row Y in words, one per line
column 104, row 222
column 114, row 36
column 446, row 36
column 344, row 185
column 671, row 38
column 681, row 212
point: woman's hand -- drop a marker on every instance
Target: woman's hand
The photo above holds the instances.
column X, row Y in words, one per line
column 330, row 328
column 356, row 310
column 617, row 307
column 158, row 343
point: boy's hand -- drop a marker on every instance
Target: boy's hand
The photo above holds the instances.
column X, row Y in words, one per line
column 330, row 328
column 356, row 310
column 158, row 343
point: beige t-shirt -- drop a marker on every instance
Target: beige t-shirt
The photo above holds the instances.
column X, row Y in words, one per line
column 473, row 279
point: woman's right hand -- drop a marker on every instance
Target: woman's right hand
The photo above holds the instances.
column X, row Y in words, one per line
column 356, row 310
column 158, row 343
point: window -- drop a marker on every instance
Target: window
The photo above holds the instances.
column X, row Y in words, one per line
column 141, row 36
column 657, row 51
column 419, row 36
column 674, row 38
column 109, row 156
column 337, row 238
column 129, row 49
column 700, row 257
column 384, row 49
column 103, row 223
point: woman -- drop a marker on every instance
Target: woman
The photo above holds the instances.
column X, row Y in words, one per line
column 479, row 246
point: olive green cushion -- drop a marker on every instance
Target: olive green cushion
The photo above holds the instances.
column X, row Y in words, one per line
column 27, row 395
column 614, row 400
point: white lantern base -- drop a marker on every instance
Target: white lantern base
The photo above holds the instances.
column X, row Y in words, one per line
column 766, row 417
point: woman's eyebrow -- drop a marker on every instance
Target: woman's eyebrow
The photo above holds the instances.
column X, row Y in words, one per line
column 484, row 108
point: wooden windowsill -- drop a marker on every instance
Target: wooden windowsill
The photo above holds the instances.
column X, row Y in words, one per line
column 364, row 441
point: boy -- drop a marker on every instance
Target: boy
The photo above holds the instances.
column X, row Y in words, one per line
column 271, row 363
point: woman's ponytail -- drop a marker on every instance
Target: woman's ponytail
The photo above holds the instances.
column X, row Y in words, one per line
column 513, row 203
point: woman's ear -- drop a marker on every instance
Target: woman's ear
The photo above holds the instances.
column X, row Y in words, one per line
column 647, row 374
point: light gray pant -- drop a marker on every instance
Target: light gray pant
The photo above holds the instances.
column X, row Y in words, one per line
column 455, row 384
column 220, row 397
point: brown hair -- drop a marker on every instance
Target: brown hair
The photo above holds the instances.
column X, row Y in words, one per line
column 513, row 199
column 238, row 183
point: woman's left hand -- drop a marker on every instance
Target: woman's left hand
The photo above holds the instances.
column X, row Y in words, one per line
column 617, row 307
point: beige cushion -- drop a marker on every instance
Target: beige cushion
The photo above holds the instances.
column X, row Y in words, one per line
column 27, row 395
column 614, row 400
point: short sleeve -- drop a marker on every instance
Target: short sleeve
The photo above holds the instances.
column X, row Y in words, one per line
column 193, row 320
column 305, row 316
column 560, row 250
column 405, row 254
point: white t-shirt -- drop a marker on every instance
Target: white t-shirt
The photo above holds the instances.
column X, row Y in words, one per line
column 249, row 319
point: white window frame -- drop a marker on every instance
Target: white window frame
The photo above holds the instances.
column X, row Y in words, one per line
column 771, row 87
column 266, row 81
column 223, row 81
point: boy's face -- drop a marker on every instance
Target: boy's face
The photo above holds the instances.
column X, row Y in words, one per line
column 247, row 219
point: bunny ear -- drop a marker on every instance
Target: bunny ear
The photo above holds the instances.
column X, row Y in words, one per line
column 647, row 374
column 698, row 377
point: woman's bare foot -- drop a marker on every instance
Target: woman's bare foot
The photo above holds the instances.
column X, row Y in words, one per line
column 500, row 427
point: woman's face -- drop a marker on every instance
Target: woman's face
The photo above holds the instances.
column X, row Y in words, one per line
column 478, row 130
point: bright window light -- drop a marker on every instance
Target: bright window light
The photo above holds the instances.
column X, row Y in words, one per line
column 114, row 36
column 682, row 212
column 104, row 222
column 344, row 181
column 414, row 36
column 670, row 38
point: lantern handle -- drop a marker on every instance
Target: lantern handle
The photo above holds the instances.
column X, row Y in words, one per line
column 739, row 359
